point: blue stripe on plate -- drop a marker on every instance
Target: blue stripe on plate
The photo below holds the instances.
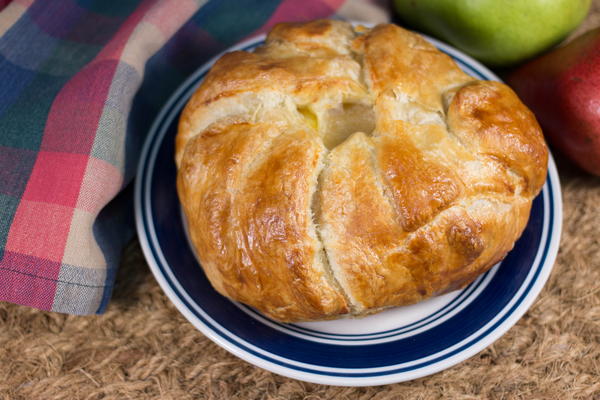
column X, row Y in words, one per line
column 363, row 374
column 435, row 316
column 345, row 374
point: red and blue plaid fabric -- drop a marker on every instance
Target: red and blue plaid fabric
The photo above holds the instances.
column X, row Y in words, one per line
column 81, row 81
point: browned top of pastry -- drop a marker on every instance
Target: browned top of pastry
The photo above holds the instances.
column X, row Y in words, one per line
column 340, row 170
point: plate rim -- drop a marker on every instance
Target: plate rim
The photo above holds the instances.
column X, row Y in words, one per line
column 149, row 153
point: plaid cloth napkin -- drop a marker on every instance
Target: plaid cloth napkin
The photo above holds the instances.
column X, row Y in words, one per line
column 81, row 81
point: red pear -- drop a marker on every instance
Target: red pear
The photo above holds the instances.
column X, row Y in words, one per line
column 562, row 88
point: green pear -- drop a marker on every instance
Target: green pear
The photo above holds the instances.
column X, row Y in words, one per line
column 497, row 32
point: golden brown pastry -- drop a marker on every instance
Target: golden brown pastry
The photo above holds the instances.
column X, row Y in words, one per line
column 339, row 171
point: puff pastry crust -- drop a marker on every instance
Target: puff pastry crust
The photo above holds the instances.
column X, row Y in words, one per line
column 340, row 170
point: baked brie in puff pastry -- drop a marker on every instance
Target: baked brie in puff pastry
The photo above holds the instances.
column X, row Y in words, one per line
column 339, row 170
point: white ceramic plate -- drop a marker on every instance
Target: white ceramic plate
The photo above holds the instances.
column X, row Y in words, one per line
column 397, row 345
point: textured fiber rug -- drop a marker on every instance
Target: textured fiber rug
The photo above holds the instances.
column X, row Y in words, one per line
column 142, row 348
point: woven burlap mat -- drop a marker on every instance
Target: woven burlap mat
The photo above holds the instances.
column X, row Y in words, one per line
column 143, row 348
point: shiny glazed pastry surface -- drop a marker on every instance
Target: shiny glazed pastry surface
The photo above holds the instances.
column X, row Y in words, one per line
column 340, row 170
